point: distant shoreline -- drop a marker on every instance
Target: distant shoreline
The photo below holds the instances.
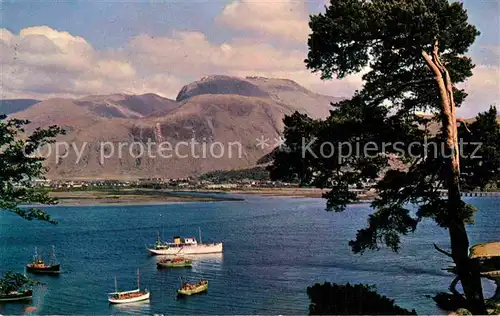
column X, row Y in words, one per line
column 283, row 192
column 298, row 193
column 129, row 197
column 147, row 196
column 132, row 197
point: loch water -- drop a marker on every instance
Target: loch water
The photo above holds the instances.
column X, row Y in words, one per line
column 274, row 247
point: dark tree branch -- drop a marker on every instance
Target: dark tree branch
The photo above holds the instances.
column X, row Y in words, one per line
column 443, row 251
column 453, row 287
column 464, row 124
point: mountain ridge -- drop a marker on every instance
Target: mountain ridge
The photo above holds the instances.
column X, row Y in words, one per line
column 215, row 111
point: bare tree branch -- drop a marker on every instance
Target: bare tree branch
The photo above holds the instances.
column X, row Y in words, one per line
column 453, row 286
column 443, row 251
column 465, row 124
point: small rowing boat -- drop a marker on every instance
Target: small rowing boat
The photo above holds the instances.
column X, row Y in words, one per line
column 188, row 289
column 488, row 257
column 16, row 287
column 176, row 262
column 16, row 296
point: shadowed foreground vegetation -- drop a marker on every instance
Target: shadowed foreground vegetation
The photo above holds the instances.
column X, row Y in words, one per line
column 358, row 299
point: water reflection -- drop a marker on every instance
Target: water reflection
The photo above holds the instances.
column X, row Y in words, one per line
column 38, row 300
column 21, row 307
column 14, row 307
column 209, row 257
column 136, row 308
column 203, row 266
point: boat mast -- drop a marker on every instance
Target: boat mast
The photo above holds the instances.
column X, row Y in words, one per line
column 116, row 285
column 199, row 230
column 138, row 279
column 52, row 256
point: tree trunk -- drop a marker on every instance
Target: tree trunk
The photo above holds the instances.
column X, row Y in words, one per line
column 467, row 270
column 496, row 297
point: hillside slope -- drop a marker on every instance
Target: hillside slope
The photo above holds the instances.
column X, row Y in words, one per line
column 8, row 106
column 214, row 124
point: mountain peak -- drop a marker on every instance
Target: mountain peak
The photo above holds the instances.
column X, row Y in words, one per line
column 220, row 84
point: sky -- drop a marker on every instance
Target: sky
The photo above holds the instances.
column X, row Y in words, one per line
column 76, row 48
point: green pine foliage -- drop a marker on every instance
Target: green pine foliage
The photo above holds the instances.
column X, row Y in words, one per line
column 19, row 165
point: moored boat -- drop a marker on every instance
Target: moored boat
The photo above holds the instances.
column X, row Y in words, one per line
column 176, row 262
column 488, row 257
column 188, row 289
column 182, row 246
column 16, row 296
column 38, row 265
column 128, row 296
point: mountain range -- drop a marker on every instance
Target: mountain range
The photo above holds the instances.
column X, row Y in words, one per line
column 215, row 123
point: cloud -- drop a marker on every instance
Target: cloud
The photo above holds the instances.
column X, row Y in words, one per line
column 194, row 50
column 284, row 19
column 41, row 62
column 486, row 55
column 483, row 89
column 190, row 55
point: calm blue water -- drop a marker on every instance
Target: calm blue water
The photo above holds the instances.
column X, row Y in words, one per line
column 273, row 249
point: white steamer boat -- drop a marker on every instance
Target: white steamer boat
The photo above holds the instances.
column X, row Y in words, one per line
column 184, row 246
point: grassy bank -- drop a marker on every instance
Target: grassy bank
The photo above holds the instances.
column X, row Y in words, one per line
column 158, row 196
column 130, row 196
